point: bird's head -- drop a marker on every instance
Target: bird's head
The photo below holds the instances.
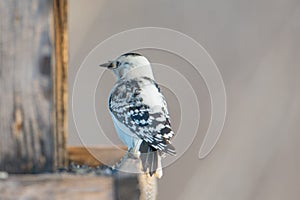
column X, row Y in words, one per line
column 130, row 65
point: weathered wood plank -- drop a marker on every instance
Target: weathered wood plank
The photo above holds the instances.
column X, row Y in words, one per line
column 95, row 156
column 28, row 142
column 121, row 185
column 128, row 176
column 126, row 187
column 129, row 182
column 25, row 86
column 56, row 187
column 60, row 75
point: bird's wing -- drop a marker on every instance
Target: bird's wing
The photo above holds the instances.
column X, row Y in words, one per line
column 140, row 106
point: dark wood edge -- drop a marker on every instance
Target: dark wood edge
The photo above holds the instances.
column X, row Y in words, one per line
column 60, row 75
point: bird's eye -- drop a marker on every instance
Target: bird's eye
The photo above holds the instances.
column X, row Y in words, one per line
column 118, row 63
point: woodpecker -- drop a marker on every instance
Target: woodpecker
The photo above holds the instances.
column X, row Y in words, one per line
column 139, row 111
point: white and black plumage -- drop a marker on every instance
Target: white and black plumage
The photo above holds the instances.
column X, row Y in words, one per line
column 139, row 111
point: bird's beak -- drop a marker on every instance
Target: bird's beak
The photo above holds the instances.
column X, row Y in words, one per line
column 107, row 65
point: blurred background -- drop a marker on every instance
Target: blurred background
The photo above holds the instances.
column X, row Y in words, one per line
column 256, row 46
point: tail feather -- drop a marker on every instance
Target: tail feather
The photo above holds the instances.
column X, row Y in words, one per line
column 149, row 158
column 153, row 163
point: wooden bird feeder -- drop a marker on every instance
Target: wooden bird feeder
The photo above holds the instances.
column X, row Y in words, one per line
column 33, row 113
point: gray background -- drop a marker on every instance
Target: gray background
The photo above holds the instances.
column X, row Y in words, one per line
column 256, row 46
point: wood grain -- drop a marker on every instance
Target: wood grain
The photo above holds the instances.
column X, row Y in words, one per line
column 32, row 85
column 129, row 182
column 26, row 143
column 95, row 156
column 57, row 187
column 60, row 75
column 129, row 174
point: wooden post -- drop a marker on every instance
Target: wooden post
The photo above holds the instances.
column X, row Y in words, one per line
column 32, row 85
column 60, row 75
